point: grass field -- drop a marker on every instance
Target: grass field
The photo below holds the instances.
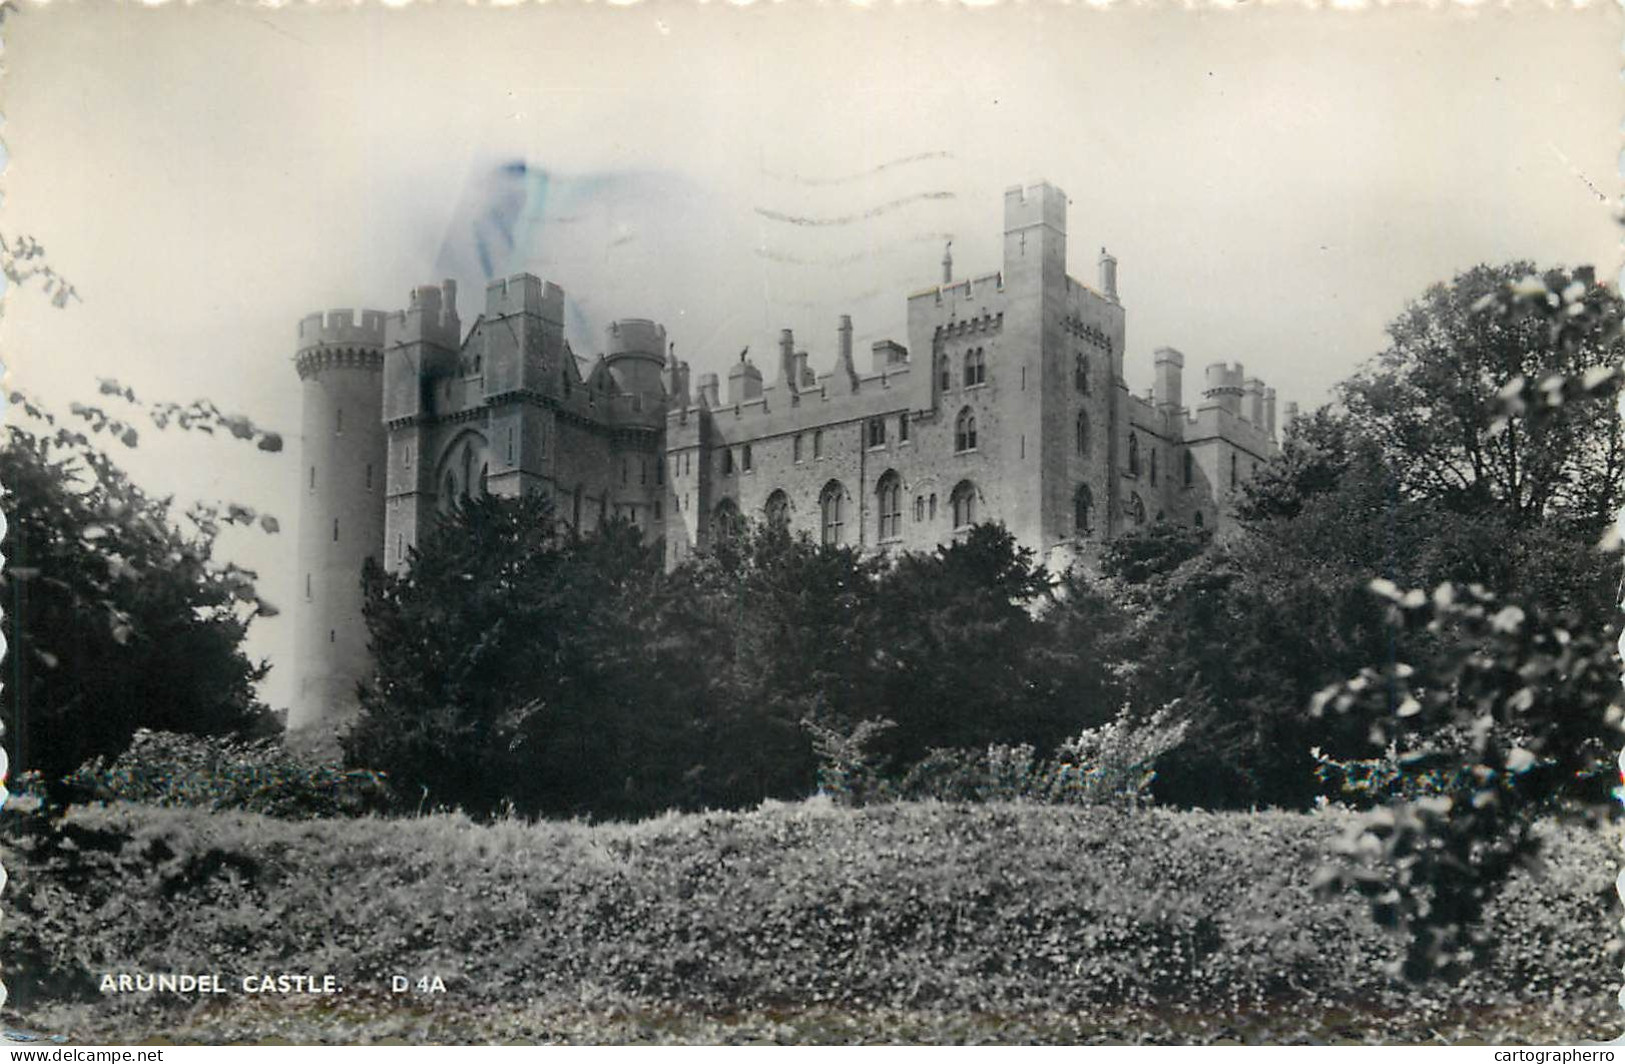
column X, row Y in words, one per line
column 792, row 923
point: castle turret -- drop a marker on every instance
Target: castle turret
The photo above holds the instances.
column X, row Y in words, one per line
column 1224, row 387
column 1254, row 393
column 340, row 361
column 1108, row 275
column 709, row 391
column 1168, row 392
column 789, row 376
column 632, row 353
column 744, row 381
column 846, row 372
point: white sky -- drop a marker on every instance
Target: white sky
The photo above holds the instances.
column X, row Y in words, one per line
column 1275, row 183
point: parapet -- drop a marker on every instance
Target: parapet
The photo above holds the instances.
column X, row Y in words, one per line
column 1170, row 356
column 1040, row 203
column 340, row 327
column 524, row 293
column 888, row 355
column 635, row 336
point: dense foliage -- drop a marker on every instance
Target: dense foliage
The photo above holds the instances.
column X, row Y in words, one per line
column 118, row 614
column 563, row 674
column 912, row 921
column 224, row 773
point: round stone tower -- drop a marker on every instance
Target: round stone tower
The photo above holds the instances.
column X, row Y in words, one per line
column 341, row 511
column 635, row 354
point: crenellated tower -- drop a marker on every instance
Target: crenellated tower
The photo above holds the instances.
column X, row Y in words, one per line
column 341, row 514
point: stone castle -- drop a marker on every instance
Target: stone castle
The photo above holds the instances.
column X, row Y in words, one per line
column 1006, row 404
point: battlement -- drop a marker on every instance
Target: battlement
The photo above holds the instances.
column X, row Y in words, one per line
column 1036, row 204
column 339, row 327
column 1225, row 378
column 960, row 292
column 524, row 293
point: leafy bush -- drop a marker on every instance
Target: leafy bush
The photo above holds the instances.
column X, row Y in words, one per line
column 1111, row 764
column 260, row 776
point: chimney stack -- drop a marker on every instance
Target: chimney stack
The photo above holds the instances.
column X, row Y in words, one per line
column 1108, row 275
column 789, row 376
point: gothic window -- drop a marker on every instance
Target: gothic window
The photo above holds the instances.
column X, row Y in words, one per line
column 975, row 368
column 965, row 430
column 1133, row 454
column 1137, row 508
column 963, row 501
column 1153, row 466
column 1080, row 373
column 902, row 428
column 1190, row 469
column 891, row 506
column 660, row 472
column 1198, row 519
column 727, row 523
column 658, row 509
column 778, row 510
column 818, row 444
column 877, row 432
column 829, row 508
column 1232, row 472
column 1083, row 505
column 795, row 449
column 688, row 462
column 1081, row 433
column 933, row 506
column 746, row 456
column 919, row 508
column 727, row 461
column 944, row 373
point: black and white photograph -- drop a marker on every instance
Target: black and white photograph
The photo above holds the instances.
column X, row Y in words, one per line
column 811, row 524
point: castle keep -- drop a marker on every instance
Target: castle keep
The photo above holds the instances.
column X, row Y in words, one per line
column 1006, row 403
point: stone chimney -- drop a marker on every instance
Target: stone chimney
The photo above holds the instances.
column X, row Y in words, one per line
column 1108, row 275
column 709, row 389
column 788, row 375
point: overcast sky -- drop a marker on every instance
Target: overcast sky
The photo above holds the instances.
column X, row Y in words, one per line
column 1275, row 184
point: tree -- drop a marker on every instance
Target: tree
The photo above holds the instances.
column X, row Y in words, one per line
column 1512, row 716
column 118, row 619
column 1431, row 401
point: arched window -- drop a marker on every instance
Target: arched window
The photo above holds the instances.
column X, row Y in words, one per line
column 890, row 497
column 1232, row 472
column 830, row 504
column 1198, row 519
column 963, row 501
column 975, row 368
column 944, row 374
column 1081, row 433
column 777, row 510
column 1133, row 454
column 1190, row 469
column 932, row 508
column 726, row 521
column 1080, row 374
column 965, row 430
column 1153, row 466
column 919, row 508
column 727, row 461
column 795, row 449
column 1083, row 510
column 746, row 456
column 818, row 444
column 1137, row 508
